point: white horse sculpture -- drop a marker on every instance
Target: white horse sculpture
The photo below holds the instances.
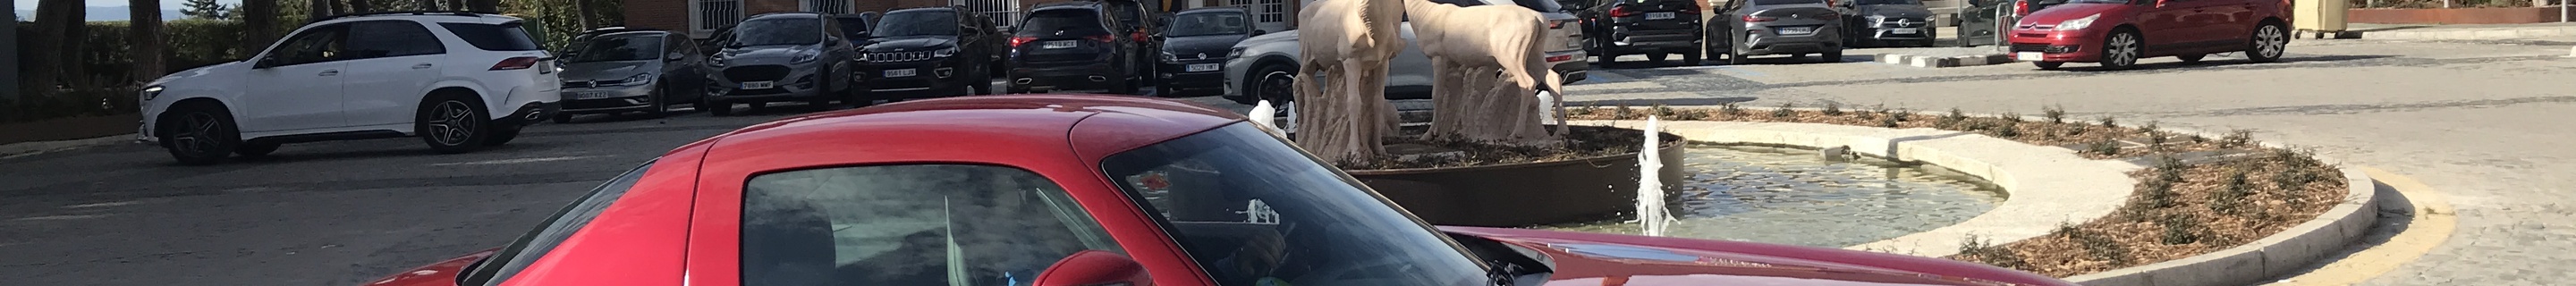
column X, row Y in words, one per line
column 1468, row 46
column 1349, row 42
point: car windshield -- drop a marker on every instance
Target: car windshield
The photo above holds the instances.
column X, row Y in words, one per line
column 617, row 48
column 936, row 22
column 1254, row 211
column 1890, row 2
column 1209, row 23
column 778, row 31
column 1067, row 22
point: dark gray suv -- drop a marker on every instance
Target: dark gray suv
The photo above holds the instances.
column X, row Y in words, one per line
column 1746, row 28
column 780, row 57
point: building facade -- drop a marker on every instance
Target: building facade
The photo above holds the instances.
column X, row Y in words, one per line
column 701, row 18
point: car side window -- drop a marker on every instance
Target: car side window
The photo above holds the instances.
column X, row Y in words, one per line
column 928, row 224
column 319, row 44
column 393, row 39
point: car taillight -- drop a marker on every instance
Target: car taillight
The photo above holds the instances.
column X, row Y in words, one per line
column 1555, row 25
column 1100, row 38
column 2021, row 8
column 1140, row 36
column 1622, row 11
column 515, row 63
column 1560, row 58
column 1017, row 41
column 1752, row 18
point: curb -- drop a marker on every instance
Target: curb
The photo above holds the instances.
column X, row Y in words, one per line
column 21, row 149
column 2046, row 186
column 2471, row 34
column 1943, row 62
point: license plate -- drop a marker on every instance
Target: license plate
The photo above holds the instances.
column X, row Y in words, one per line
column 1659, row 15
column 2028, row 56
column 1797, row 30
column 902, row 73
column 1059, row 44
column 591, row 95
column 759, row 85
column 1200, row 67
column 1908, row 31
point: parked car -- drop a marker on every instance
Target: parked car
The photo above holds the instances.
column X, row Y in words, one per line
column 631, row 71
column 1655, row 28
column 1094, row 190
column 1194, row 47
column 1776, row 27
column 1132, row 22
column 1076, row 46
column 929, row 52
column 1888, row 22
column 854, row 27
column 779, row 57
column 2116, row 33
column 1261, row 67
column 459, row 81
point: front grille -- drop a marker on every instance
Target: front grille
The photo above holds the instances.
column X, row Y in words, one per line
column 1902, row 23
column 2029, row 48
column 578, row 84
column 756, row 73
column 886, row 57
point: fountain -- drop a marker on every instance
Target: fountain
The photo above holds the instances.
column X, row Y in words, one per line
column 1790, row 195
column 1651, row 217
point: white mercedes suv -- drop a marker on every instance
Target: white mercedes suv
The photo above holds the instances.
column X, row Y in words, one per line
column 459, row 81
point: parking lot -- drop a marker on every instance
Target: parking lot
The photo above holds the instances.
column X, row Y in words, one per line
column 2467, row 117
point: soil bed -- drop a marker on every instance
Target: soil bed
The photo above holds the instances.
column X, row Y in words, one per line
column 2177, row 210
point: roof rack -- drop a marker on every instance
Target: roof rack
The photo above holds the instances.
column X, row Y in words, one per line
column 439, row 13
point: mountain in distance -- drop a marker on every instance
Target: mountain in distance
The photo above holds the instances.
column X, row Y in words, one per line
column 105, row 13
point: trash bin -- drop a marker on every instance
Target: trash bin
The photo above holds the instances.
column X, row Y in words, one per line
column 2318, row 16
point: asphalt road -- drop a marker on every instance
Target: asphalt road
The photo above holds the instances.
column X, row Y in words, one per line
column 343, row 213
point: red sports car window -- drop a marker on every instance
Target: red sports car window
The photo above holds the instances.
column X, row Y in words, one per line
column 909, row 225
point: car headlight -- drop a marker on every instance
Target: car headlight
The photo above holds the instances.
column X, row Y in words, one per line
column 151, row 92
column 638, row 79
column 1237, row 52
column 950, row 51
column 2078, row 23
column 1169, row 57
column 806, row 57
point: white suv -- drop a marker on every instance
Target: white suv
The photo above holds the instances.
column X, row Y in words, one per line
column 437, row 75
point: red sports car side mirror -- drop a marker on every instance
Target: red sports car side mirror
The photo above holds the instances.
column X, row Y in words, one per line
column 1094, row 268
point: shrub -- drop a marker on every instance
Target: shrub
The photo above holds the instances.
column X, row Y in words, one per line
column 2180, row 229
column 2055, row 114
column 1833, row 108
column 1902, row 114
column 1977, row 250
column 1661, row 111
column 2009, row 129
column 2095, row 244
column 2104, row 148
column 2010, row 116
column 1784, row 111
column 2239, row 138
column 2108, row 121
column 1731, row 110
column 2231, row 199
column 1889, row 122
column 1622, row 112
column 2150, row 128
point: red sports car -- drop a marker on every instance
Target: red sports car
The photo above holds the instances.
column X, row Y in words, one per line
column 1079, row 190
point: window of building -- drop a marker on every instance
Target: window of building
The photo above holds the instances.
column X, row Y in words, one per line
column 708, row 16
column 826, row 6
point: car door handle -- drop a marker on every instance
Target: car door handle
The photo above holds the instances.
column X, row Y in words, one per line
column 330, row 72
column 421, row 66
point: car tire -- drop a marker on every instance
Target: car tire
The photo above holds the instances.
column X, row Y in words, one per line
column 1656, row 58
column 2049, row 65
column 1831, row 57
column 2191, row 58
column 503, row 135
column 661, row 102
column 453, row 124
column 2121, row 50
column 2270, row 41
column 1608, row 57
column 563, row 118
column 1276, row 83
column 255, row 149
column 198, row 134
column 757, row 106
column 716, row 107
column 1692, row 59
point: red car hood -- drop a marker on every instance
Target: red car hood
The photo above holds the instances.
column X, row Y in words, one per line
column 1609, row 259
column 2111, row 14
column 442, row 273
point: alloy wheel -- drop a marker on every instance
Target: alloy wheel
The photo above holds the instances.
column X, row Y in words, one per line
column 2269, row 41
column 196, row 134
column 2123, row 50
column 452, row 123
column 1277, row 85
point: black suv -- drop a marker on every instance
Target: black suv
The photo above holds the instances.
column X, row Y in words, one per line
column 929, row 52
column 1076, row 46
column 1650, row 27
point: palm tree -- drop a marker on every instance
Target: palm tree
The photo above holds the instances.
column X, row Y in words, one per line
column 146, row 38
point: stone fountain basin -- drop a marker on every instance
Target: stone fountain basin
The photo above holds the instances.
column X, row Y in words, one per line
column 1526, row 194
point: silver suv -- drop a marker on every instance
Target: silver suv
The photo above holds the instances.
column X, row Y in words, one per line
column 780, row 57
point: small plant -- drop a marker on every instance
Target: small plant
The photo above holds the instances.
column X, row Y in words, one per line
column 1784, row 112
column 2169, row 168
column 2231, row 199
column 1623, row 113
column 2239, row 138
column 1902, row 114
column 1731, row 110
column 1582, row 111
column 2009, row 129
column 1661, row 111
column 2112, row 122
column 1879, row 109
column 2156, row 140
column 1833, row 108
column 2010, row 116
column 2104, row 148
column 1977, row 250
column 2156, row 194
column 1689, row 114
column 2055, row 114
column 1888, row 122
column 2150, row 128
column 2095, row 244
column 2075, row 129
column 1952, row 120
column 2179, row 229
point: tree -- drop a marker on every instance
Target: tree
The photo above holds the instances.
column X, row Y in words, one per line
column 259, row 25
column 145, row 33
column 483, row 6
column 54, row 21
column 205, row 9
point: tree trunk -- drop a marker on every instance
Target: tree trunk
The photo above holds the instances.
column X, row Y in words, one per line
column 45, row 62
column 483, row 6
column 320, row 8
column 361, row 6
column 259, row 26
column 582, row 7
column 145, row 36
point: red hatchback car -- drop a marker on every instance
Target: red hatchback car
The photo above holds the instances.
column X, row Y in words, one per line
column 1079, row 190
column 2117, row 33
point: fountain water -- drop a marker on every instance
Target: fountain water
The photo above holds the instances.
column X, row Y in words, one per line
column 1651, row 216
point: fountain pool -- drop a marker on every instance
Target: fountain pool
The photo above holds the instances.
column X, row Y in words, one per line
column 1793, row 196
